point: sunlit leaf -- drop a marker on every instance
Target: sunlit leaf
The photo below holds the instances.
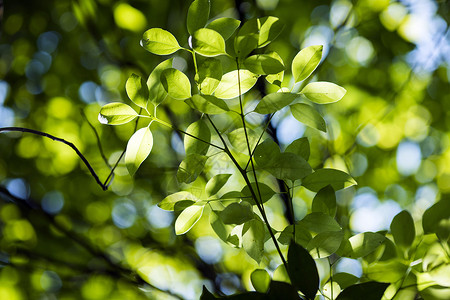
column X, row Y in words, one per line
column 157, row 93
column 208, row 42
column 229, row 86
column 323, row 177
column 262, row 189
column 260, row 280
column 276, row 79
column 168, row 203
column 138, row 148
column 222, row 230
column 200, row 144
column 116, row 113
column 325, row 201
column 436, row 219
column 361, row 244
column 302, row 270
column 263, row 64
column 176, row 84
column 225, row 26
column 209, row 75
column 367, row 291
column 239, row 142
column 402, row 228
column 325, row 243
column 137, row 90
column 319, row 222
column 300, row 147
column 191, row 167
column 387, row 271
column 236, row 213
column 207, row 104
column 274, row 102
column 159, row 41
column 306, row 61
column 323, row 92
column 253, row 238
column 269, row 29
column 216, row 183
column 441, row 275
column 345, row 279
column 309, row 116
column 247, row 38
column 187, row 219
column 302, row 235
column 198, row 15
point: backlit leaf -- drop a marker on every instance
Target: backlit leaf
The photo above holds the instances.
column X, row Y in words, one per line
column 309, row 116
column 116, row 113
column 198, row 15
column 323, row 92
column 253, row 239
column 260, row 280
column 216, row 183
column 274, row 102
column 229, row 88
column 207, row 104
column 270, row 28
column 323, row 177
column 362, row 244
column 319, row 222
column 367, row 291
column 402, row 228
column 236, row 213
column 325, row 243
column 306, row 61
column 187, row 219
column 225, row 26
column 302, row 235
column 137, row 90
column 176, row 84
column 191, row 167
column 157, row 93
column 159, row 41
column 276, row 79
column 266, row 192
column 208, row 42
column 247, row 38
column 239, row 142
column 436, row 219
column 325, row 201
column 200, row 130
column 222, row 230
column 169, row 202
column 209, row 75
column 300, row 147
column 302, row 270
column 138, row 148
column 263, row 64
column 387, row 271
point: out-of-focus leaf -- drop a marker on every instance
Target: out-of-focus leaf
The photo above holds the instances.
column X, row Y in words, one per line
column 239, row 142
column 281, row 290
column 260, row 280
column 309, row 116
column 159, row 41
column 436, row 219
column 367, row 291
column 138, row 148
column 198, row 15
column 402, row 228
column 191, row 167
column 345, row 279
column 387, row 271
column 116, row 113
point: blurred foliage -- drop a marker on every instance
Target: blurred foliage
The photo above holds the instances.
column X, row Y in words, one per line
column 60, row 61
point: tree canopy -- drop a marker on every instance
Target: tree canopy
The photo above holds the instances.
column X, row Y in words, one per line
column 267, row 149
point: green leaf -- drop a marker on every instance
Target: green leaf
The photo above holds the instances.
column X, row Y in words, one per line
column 266, row 193
column 191, row 167
column 281, row 290
column 138, row 148
column 187, row 219
column 225, row 26
column 209, row 75
column 325, row 243
column 302, row 235
column 260, row 280
column 300, row 147
column 302, row 270
column 367, row 291
column 441, row 275
column 236, row 213
column 269, row 29
column 229, row 88
column 238, row 141
column 247, row 38
column 305, row 62
column 323, row 92
column 274, row 102
column 159, row 41
column 137, row 90
column 325, row 201
column 200, row 130
column 222, row 230
column 387, row 271
column 207, row 104
column 253, row 239
column 157, row 93
column 263, row 64
column 319, row 222
column 216, row 183
column 206, row 295
column 345, row 279
column 116, row 113
column 309, row 116
column 323, row 177
column 436, row 219
column 361, row 244
column 198, row 15
column 176, row 84
column 208, row 42
column 402, row 228
column 276, row 79
column 169, row 202
column 266, row 153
